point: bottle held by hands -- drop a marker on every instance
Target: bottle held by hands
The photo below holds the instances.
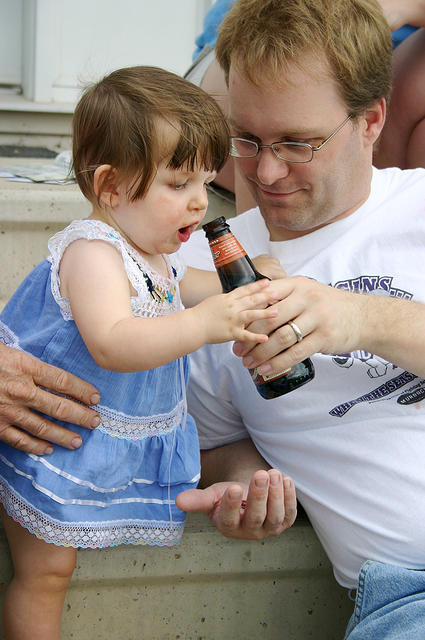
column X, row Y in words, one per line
column 236, row 269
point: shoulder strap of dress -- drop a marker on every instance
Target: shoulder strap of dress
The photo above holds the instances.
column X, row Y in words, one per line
column 178, row 265
column 89, row 230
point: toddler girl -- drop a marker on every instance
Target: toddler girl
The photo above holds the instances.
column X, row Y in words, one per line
column 107, row 305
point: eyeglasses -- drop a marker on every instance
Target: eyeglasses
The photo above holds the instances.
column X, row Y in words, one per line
column 287, row 151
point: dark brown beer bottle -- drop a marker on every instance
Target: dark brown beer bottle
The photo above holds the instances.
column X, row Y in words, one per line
column 235, row 269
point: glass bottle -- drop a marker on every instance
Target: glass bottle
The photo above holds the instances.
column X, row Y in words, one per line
column 235, row 269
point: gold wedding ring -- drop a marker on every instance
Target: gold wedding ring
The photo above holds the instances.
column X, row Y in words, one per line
column 295, row 328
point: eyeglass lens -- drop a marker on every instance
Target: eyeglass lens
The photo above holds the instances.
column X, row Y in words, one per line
column 284, row 150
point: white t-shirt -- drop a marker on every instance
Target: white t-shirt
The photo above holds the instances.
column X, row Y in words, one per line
column 353, row 439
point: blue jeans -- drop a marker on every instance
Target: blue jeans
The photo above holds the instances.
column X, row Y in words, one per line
column 390, row 604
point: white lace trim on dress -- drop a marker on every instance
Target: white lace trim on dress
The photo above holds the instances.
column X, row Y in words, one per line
column 9, row 338
column 156, row 295
column 88, row 535
column 121, row 425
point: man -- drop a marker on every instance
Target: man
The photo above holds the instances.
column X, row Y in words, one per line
column 309, row 82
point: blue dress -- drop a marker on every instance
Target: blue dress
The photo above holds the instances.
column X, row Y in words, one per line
column 120, row 485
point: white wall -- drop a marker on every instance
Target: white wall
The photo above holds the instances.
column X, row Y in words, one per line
column 10, row 41
column 66, row 43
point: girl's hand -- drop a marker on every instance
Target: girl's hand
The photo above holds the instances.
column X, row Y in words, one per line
column 225, row 317
column 268, row 266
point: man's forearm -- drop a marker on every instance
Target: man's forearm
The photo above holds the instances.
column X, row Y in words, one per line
column 233, row 462
column 394, row 330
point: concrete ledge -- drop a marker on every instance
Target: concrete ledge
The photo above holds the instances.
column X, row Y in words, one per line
column 29, row 215
column 30, row 124
column 208, row 588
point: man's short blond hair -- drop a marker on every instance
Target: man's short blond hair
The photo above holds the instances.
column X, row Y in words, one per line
column 262, row 37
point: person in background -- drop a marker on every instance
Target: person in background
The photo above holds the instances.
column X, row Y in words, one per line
column 402, row 142
column 308, row 84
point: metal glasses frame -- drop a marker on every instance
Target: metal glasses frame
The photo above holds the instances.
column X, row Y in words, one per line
column 235, row 154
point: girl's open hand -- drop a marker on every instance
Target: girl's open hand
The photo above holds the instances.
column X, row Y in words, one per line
column 225, row 317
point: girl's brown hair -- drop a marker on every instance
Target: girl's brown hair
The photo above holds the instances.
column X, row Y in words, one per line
column 119, row 121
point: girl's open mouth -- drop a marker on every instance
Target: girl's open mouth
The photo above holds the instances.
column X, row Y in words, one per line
column 185, row 232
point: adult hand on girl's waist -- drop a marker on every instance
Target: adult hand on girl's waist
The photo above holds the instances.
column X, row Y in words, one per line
column 30, row 387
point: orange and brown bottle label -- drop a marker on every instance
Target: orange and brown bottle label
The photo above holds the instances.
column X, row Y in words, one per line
column 226, row 249
column 262, row 379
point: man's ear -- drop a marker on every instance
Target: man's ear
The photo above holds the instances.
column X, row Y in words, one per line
column 105, row 185
column 374, row 120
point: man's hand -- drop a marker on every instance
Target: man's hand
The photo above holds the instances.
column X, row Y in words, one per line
column 333, row 321
column 21, row 377
column 267, row 508
column 268, row 266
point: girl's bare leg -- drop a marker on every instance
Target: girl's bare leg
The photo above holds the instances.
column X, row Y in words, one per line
column 34, row 599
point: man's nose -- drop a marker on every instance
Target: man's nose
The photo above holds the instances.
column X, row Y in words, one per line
column 270, row 169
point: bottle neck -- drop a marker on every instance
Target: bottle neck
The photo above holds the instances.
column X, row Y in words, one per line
column 226, row 249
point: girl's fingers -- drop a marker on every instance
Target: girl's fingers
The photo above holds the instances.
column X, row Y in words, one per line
column 250, row 315
column 247, row 336
column 256, row 303
column 249, row 289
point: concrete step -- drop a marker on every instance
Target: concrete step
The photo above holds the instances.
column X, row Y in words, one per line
column 208, row 588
